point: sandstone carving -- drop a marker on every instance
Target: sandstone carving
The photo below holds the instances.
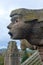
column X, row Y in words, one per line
column 12, row 55
column 27, row 24
column 25, row 44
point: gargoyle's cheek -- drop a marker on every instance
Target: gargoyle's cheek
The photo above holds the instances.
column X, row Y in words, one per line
column 17, row 33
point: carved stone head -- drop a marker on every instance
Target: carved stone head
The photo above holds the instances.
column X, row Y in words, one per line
column 25, row 25
column 19, row 27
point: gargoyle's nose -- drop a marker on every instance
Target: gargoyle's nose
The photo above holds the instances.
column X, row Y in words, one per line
column 8, row 27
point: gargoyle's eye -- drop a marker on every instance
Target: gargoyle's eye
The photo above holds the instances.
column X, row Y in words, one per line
column 16, row 20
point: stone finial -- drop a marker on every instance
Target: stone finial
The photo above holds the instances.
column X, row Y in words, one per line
column 12, row 56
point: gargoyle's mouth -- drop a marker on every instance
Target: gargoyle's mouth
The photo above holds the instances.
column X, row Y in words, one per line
column 10, row 34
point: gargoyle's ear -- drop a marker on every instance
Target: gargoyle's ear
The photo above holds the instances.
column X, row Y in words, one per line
column 32, row 21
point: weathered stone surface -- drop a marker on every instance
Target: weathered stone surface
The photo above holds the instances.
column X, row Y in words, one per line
column 12, row 54
column 32, row 30
column 41, row 51
column 27, row 24
column 25, row 44
column 28, row 14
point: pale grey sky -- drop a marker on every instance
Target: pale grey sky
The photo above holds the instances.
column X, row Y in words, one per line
column 6, row 6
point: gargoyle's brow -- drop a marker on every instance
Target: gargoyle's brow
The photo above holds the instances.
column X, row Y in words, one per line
column 16, row 14
column 13, row 18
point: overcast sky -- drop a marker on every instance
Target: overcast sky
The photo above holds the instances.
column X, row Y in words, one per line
column 6, row 6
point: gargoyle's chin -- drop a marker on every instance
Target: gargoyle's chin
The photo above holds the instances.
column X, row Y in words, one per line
column 15, row 36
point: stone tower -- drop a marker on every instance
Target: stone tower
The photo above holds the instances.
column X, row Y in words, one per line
column 12, row 55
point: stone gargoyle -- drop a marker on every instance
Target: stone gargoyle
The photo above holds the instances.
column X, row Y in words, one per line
column 27, row 24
